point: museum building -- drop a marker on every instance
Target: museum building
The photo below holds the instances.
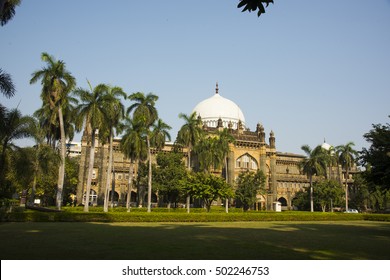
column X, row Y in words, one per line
column 251, row 150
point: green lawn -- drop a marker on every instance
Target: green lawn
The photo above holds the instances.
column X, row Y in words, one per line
column 220, row 240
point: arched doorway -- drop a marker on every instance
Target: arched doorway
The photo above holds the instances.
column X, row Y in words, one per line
column 283, row 201
column 133, row 199
column 113, row 197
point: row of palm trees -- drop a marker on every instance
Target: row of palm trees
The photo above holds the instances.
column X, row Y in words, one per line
column 319, row 162
column 100, row 111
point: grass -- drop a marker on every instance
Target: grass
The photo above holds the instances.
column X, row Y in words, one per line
column 277, row 240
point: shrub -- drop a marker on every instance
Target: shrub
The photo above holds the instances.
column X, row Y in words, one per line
column 140, row 215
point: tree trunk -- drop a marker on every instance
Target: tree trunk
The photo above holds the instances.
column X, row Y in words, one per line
column 346, row 188
column 61, row 170
column 130, row 187
column 34, row 185
column 109, row 170
column 226, row 175
column 2, row 166
column 90, row 171
column 311, row 193
column 149, row 175
column 188, row 200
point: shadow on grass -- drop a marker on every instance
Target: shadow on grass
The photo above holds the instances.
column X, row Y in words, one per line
column 238, row 240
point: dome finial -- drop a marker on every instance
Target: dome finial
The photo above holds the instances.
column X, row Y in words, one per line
column 216, row 88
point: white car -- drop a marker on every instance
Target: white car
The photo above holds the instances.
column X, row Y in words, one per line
column 351, row 211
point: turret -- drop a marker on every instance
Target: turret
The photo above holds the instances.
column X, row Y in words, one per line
column 272, row 140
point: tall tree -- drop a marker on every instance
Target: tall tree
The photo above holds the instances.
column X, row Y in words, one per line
column 376, row 158
column 144, row 110
column 313, row 164
column 188, row 136
column 224, row 139
column 57, row 83
column 207, row 153
column 92, row 111
column 347, row 158
column 43, row 156
column 115, row 113
column 133, row 145
column 160, row 134
column 13, row 126
column 49, row 122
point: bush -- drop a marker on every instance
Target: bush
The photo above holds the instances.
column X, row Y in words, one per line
column 200, row 215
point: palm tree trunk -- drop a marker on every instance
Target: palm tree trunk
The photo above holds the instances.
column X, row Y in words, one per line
column 311, row 193
column 61, row 171
column 149, row 175
column 226, row 175
column 346, row 188
column 90, row 171
column 188, row 200
column 34, row 185
column 131, row 168
column 109, row 170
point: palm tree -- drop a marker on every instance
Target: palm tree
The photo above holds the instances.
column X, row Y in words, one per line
column 6, row 85
column 160, row 134
column 43, row 155
column 57, row 83
column 7, row 10
column 189, row 135
column 115, row 113
column 224, row 139
column 133, row 145
column 13, row 126
column 158, row 138
column 93, row 113
column 145, row 112
column 313, row 164
column 48, row 120
column 347, row 156
column 207, row 153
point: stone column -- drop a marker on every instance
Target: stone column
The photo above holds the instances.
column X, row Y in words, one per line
column 274, row 189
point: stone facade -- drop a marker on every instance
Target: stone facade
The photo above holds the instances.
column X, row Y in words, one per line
column 251, row 150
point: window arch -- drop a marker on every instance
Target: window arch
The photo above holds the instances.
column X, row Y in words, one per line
column 246, row 161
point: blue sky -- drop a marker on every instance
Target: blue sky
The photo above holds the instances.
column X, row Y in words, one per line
column 307, row 69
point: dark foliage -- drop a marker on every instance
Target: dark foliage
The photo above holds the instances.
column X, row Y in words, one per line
column 376, row 158
column 253, row 5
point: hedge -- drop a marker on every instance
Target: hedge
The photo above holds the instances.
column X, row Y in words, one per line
column 138, row 216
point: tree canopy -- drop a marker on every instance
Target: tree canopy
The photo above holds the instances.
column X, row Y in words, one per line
column 208, row 188
column 376, row 158
column 249, row 185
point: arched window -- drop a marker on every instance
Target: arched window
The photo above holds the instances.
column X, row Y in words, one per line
column 246, row 161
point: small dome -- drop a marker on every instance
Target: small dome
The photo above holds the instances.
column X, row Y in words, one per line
column 218, row 107
column 326, row 146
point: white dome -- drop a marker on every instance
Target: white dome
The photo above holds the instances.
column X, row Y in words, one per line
column 326, row 146
column 215, row 107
